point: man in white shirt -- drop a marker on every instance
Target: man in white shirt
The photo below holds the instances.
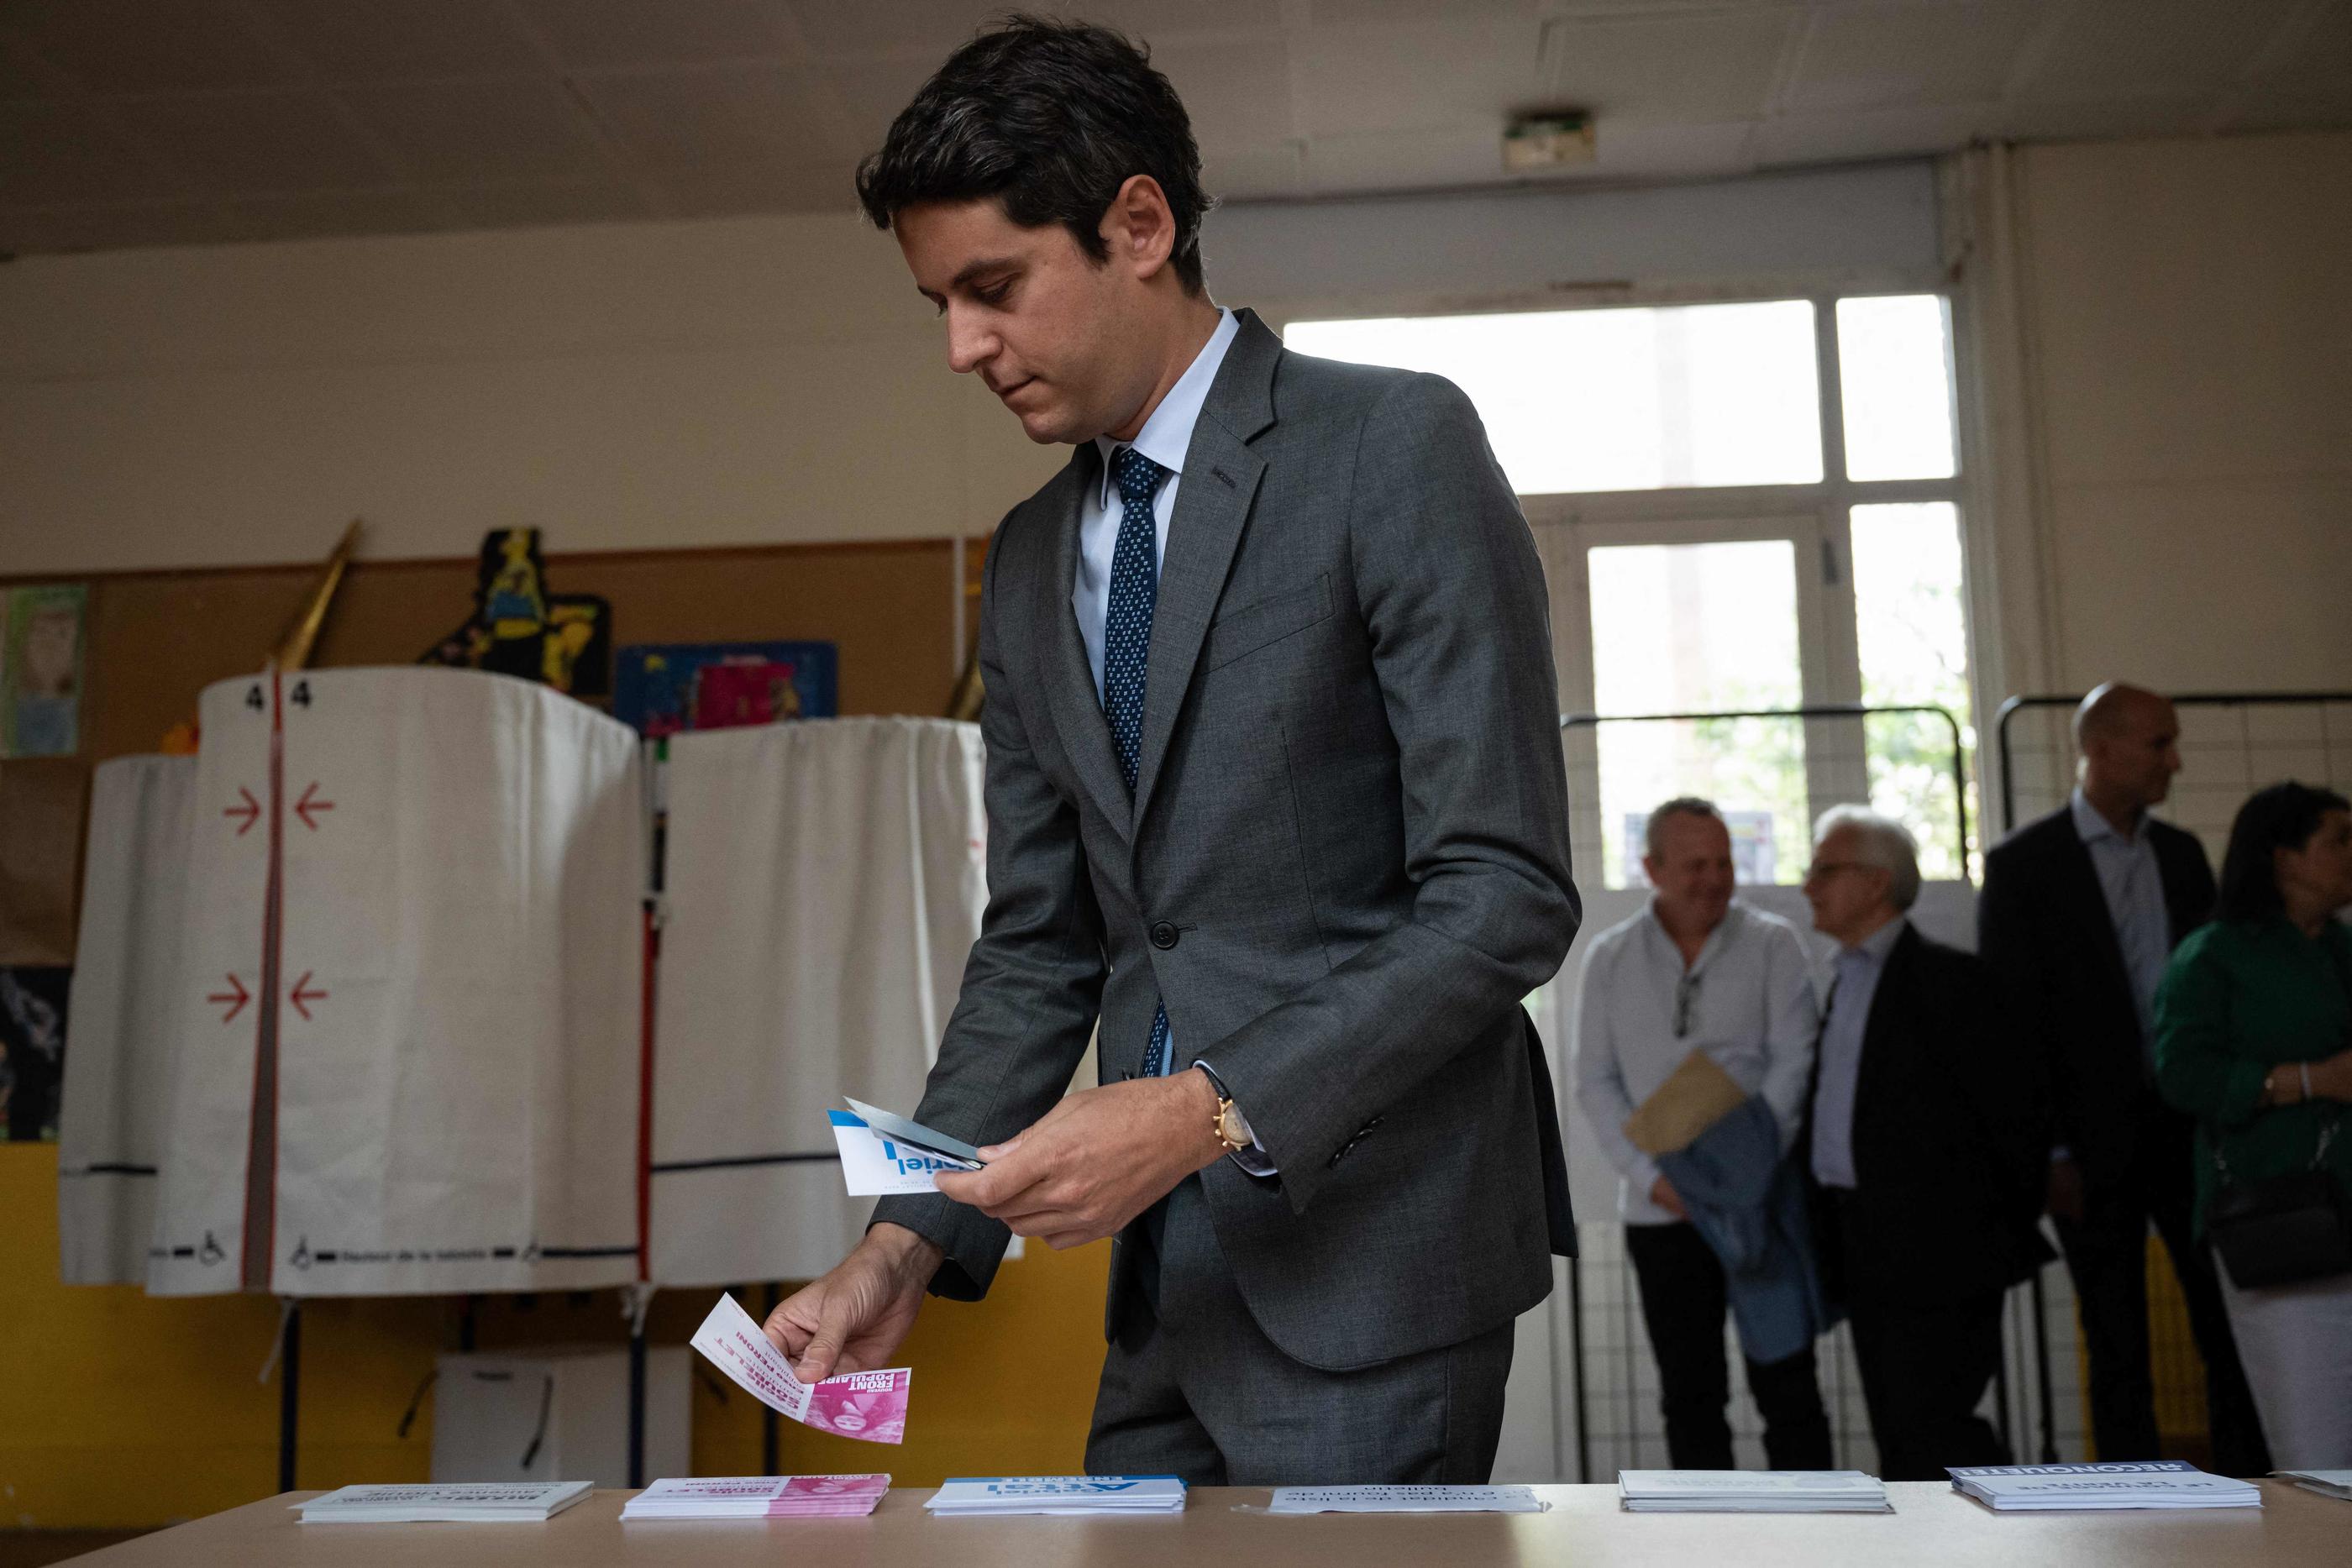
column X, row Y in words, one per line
column 1699, row 971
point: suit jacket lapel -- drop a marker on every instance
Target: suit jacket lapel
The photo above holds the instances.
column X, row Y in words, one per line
column 1213, row 504
column 1078, row 712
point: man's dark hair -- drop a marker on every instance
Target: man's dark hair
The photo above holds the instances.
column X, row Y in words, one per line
column 1051, row 118
column 2283, row 817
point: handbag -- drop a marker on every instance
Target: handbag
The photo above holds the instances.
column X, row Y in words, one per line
column 2284, row 1229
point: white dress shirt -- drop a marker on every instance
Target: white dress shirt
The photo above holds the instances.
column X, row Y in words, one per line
column 1858, row 970
column 1166, row 437
column 2133, row 885
column 1747, row 1001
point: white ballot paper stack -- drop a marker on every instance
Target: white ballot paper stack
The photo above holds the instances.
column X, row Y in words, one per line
column 759, row 1497
column 450, row 1502
column 1751, row 1491
column 2336, row 1484
column 867, row 1405
column 2136, row 1483
column 1405, row 1500
column 979, row 1495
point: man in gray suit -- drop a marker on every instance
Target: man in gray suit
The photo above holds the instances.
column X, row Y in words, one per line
column 1275, row 794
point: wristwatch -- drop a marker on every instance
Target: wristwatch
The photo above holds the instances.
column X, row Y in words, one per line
column 1230, row 1126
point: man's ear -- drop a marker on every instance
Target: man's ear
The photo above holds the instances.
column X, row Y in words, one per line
column 1138, row 227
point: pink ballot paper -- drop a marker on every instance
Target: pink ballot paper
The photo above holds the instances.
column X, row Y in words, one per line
column 759, row 1497
column 868, row 1406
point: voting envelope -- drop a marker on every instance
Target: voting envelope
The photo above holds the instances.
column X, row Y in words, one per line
column 1694, row 1096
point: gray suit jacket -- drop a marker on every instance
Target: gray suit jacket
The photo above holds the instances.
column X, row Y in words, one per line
column 1344, row 865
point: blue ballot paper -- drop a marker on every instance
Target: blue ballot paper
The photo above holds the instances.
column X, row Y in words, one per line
column 2115, row 1483
column 974, row 1495
column 955, row 1151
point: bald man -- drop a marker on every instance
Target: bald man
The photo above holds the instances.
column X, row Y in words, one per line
column 2081, row 911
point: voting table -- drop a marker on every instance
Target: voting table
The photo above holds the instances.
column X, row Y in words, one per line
column 1582, row 1528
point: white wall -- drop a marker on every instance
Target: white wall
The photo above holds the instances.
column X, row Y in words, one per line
column 2185, row 334
column 633, row 386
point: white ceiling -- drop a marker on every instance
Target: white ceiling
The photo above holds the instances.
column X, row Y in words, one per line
column 130, row 123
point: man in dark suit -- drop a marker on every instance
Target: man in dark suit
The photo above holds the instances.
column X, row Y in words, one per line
column 1275, row 796
column 1928, row 1135
column 2081, row 910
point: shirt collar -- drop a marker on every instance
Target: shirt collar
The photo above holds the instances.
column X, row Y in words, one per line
column 1875, row 947
column 1167, row 433
column 2091, row 827
column 1722, row 934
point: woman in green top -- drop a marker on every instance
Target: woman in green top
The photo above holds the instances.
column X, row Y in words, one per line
column 2253, row 1023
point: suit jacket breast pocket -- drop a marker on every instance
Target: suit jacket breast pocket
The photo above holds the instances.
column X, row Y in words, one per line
column 1254, row 626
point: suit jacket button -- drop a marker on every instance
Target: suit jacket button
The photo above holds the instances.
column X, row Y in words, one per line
column 1163, row 936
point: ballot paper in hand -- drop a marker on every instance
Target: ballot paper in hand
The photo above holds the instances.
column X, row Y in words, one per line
column 2132, row 1483
column 1405, row 1500
column 2336, row 1484
column 1751, row 1491
column 873, row 1165
column 449, row 1502
column 759, row 1497
column 931, row 1141
column 867, row 1405
column 976, row 1495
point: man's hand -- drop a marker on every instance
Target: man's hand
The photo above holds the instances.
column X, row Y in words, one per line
column 853, row 1319
column 2064, row 1200
column 1097, row 1160
column 1662, row 1194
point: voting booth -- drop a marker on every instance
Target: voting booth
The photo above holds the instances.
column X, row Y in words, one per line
column 422, row 981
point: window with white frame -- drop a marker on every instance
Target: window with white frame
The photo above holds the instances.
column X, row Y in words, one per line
column 1745, row 508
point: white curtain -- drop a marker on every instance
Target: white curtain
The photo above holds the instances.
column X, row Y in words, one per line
column 825, row 883
column 118, row 1075
column 412, row 940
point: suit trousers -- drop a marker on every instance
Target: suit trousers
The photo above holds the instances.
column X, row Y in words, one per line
column 1682, row 1306
column 1192, row 1387
column 1924, row 1369
column 2107, row 1255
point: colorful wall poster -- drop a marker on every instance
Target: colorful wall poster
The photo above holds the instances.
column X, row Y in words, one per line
column 41, row 669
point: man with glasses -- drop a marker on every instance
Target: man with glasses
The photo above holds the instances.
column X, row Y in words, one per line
column 1698, row 971
column 1928, row 1139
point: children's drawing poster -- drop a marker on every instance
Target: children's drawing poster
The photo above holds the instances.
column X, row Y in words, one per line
column 41, row 669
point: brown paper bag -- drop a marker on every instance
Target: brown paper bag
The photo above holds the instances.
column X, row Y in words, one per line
column 1694, row 1097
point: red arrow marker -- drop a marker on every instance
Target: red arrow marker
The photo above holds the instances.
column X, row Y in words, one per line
column 300, row 995
column 250, row 812
column 236, row 998
column 305, row 806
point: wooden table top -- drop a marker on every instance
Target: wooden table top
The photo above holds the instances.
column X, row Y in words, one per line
column 1582, row 1526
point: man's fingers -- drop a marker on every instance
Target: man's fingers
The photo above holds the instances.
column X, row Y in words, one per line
column 833, row 1329
column 992, row 1153
column 784, row 1332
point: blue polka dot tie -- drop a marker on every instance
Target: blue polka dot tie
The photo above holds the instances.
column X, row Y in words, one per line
column 1126, row 643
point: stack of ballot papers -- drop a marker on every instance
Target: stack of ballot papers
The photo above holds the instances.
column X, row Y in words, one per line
column 1059, row 1494
column 2336, row 1484
column 1751, row 1491
column 455, row 1503
column 868, row 1406
column 1405, row 1500
column 759, row 1497
column 2137, row 1483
